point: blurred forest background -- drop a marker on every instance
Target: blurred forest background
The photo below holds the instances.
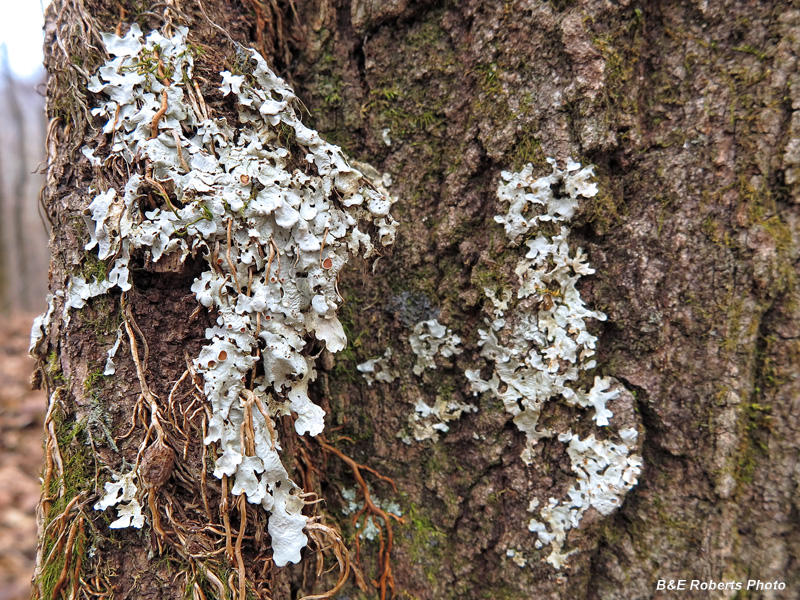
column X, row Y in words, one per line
column 24, row 258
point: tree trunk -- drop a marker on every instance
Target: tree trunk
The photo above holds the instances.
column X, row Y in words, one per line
column 686, row 109
column 20, row 177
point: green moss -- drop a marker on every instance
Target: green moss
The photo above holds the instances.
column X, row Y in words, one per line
column 94, row 380
column 198, row 577
column 757, row 211
column 621, row 49
column 410, row 105
column 78, row 459
column 528, row 149
column 78, row 478
column 98, row 419
column 753, row 449
column 492, row 104
column 51, row 571
column 747, row 49
column 608, row 208
column 733, row 325
column 755, row 422
column 103, row 316
column 93, row 268
column 426, row 544
column 53, row 370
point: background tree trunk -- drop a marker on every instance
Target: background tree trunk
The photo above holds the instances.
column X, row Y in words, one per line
column 688, row 110
column 23, row 249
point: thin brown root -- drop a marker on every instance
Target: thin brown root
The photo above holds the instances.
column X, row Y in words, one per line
column 260, row 405
column 64, row 576
column 160, row 533
column 386, row 581
column 215, row 581
column 76, row 572
column 224, row 508
column 201, row 100
column 203, row 483
column 198, row 592
column 157, row 117
column 320, row 534
column 140, row 373
column 239, row 559
column 178, row 147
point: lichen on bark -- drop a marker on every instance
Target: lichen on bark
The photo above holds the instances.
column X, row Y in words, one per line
column 686, row 108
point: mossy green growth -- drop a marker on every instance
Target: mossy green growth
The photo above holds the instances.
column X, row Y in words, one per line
column 426, row 543
column 763, row 214
column 78, row 478
column 621, row 48
column 78, row 459
column 102, row 316
column 755, row 421
column 93, row 268
column 222, row 573
column 412, row 99
column 753, row 449
column 98, row 419
column 334, row 106
column 52, row 570
column 53, row 369
column 527, row 149
column 608, row 208
column 94, row 380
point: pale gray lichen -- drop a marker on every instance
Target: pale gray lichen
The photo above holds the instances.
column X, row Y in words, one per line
column 41, row 326
column 547, row 343
column 429, row 339
column 111, row 367
column 500, row 304
column 369, row 530
column 379, row 369
column 276, row 219
column 540, row 347
column 121, row 493
column 553, row 197
column 605, row 473
column 517, row 557
column 427, row 421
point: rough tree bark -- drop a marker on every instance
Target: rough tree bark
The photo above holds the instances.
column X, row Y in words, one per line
column 687, row 108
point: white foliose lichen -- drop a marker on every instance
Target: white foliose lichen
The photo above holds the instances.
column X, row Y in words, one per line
column 517, row 557
column 41, row 325
column 379, row 368
column 500, row 304
column 121, row 493
column 548, row 343
column 427, row 421
column 429, row 339
column 606, row 472
column 111, row 367
column 275, row 211
column 553, row 197
column 539, row 348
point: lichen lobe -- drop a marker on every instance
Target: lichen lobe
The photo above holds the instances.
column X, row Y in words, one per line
column 275, row 219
